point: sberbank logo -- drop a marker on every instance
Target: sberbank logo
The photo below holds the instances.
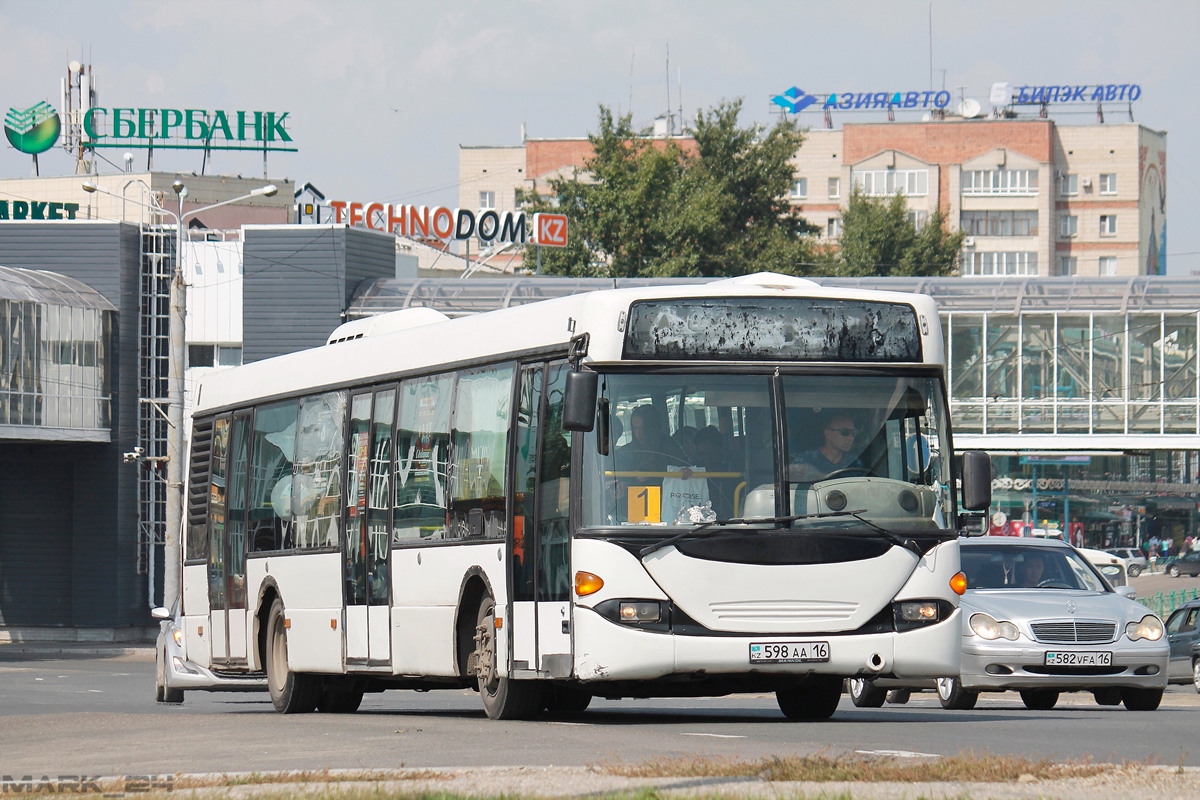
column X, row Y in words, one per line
column 34, row 130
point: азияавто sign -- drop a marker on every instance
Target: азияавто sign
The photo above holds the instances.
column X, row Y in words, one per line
column 187, row 129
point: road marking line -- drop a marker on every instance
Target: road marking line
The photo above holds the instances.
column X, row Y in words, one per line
column 897, row 753
column 714, row 735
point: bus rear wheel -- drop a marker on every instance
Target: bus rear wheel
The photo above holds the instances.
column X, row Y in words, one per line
column 291, row 692
column 332, row 702
column 814, row 699
column 503, row 698
column 567, row 700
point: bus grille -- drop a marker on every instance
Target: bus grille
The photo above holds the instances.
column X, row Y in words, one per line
column 1074, row 632
column 784, row 611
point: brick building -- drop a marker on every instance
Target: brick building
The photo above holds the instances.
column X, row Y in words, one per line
column 1033, row 196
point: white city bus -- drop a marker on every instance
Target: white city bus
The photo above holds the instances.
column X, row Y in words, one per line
column 613, row 494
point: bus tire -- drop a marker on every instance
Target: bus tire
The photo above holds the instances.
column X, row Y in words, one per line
column 291, row 692
column 503, row 698
column 814, row 699
column 331, row 702
column 865, row 694
column 567, row 700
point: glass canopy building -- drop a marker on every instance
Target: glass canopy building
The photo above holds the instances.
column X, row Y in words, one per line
column 54, row 358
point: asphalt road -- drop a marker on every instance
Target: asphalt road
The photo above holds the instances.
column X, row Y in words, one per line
column 97, row 716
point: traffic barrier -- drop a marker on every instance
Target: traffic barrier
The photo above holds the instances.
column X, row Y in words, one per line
column 1164, row 603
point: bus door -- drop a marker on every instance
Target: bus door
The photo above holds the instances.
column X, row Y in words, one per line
column 227, row 540
column 540, row 540
column 367, row 625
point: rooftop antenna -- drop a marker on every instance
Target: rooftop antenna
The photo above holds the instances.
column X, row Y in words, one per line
column 679, row 91
column 632, row 55
column 77, row 97
column 931, row 45
column 670, row 118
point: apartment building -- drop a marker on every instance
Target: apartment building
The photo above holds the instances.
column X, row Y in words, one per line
column 1034, row 197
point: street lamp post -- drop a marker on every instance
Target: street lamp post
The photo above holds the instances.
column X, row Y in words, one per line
column 175, row 368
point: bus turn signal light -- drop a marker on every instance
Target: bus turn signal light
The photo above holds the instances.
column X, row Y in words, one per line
column 586, row 583
column 958, row 583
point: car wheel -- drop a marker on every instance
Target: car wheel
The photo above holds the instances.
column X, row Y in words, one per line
column 1134, row 570
column 865, row 694
column 1173, row 571
column 162, row 692
column 814, row 699
column 503, row 698
column 1196, row 673
column 1141, row 699
column 953, row 696
column 1108, row 696
column 291, row 692
column 1039, row 699
column 898, row 697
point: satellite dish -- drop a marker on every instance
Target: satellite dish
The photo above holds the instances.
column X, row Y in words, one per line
column 969, row 108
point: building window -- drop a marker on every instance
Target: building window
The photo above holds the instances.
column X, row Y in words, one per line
column 214, row 355
column 1021, row 263
column 885, row 182
column 1108, row 224
column 1068, row 226
column 833, row 227
column 1000, row 181
column 1000, row 223
column 799, row 188
column 1108, row 265
column 1108, row 183
column 835, row 188
column 487, row 199
column 918, row 219
column 1068, row 185
column 1068, row 265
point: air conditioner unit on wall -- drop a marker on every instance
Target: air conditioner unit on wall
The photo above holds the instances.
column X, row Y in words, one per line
column 969, row 241
column 1085, row 183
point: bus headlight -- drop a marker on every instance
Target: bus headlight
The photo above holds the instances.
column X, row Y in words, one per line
column 1148, row 627
column 639, row 612
column 986, row 627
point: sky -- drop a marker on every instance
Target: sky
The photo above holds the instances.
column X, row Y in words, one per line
column 380, row 95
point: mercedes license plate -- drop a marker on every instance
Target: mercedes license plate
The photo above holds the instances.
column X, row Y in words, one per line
column 788, row 652
column 1073, row 658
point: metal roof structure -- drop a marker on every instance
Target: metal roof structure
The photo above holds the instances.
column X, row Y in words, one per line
column 51, row 288
column 1014, row 295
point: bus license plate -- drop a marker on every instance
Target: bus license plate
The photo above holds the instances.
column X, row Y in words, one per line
column 1069, row 658
column 788, row 652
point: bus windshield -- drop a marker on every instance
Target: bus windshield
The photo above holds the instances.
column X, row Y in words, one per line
column 678, row 449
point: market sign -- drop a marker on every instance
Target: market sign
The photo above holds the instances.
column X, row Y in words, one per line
column 187, row 129
column 795, row 100
column 37, row 209
column 438, row 222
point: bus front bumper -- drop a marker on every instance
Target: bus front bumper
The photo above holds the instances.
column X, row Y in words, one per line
column 608, row 651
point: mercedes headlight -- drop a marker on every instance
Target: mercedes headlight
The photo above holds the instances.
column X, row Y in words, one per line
column 986, row 627
column 1148, row 627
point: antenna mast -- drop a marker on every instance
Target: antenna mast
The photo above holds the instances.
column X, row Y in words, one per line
column 78, row 93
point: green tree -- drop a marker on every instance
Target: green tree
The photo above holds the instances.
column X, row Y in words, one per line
column 713, row 206
column 878, row 238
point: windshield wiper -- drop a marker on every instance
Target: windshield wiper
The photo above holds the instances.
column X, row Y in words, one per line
column 894, row 538
column 707, row 527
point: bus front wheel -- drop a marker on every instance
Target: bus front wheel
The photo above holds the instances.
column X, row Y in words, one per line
column 503, row 698
column 814, row 699
column 291, row 692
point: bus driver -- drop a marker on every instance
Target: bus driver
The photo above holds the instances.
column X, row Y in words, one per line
column 836, row 453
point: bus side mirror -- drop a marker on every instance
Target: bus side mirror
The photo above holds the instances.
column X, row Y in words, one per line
column 976, row 480
column 579, row 400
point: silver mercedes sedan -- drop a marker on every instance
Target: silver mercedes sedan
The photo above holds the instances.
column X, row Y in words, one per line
column 1039, row 619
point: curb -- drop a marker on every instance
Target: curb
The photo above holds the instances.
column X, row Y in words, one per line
column 73, row 649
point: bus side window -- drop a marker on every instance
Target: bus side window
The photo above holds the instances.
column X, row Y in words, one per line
column 422, row 453
column 272, row 450
column 482, row 405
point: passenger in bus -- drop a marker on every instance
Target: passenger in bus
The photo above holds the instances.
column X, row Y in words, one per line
column 838, row 451
column 711, row 454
